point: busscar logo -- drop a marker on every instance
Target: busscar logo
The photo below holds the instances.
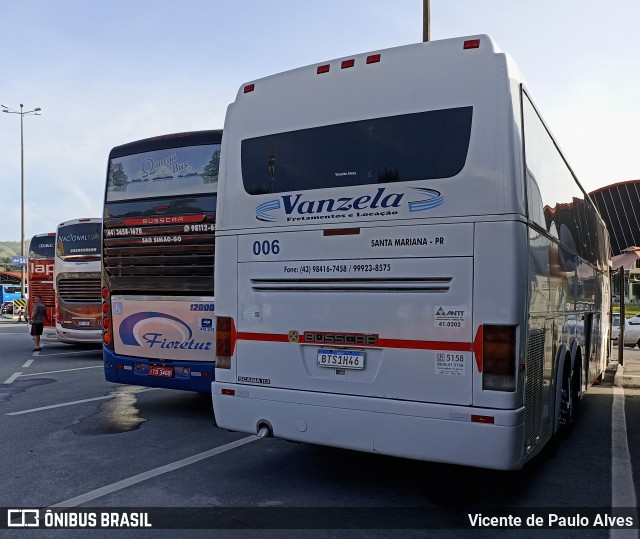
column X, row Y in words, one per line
column 23, row 518
column 382, row 203
column 357, row 339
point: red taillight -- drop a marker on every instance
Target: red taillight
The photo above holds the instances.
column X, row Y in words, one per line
column 499, row 358
column 225, row 341
column 373, row 59
column 107, row 338
column 105, row 308
column 472, row 44
column 104, row 292
column 347, row 64
column 106, row 323
column 482, row 419
column 228, row 391
column 249, row 88
column 323, row 69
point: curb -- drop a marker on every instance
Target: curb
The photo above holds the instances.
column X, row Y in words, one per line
column 630, row 380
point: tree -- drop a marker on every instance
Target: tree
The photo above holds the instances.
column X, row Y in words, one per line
column 117, row 177
column 210, row 172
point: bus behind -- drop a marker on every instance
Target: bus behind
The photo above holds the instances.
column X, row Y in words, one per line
column 40, row 270
column 77, row 281
column 158, row 257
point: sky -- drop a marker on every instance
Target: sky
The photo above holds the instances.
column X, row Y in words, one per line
column 107, row 72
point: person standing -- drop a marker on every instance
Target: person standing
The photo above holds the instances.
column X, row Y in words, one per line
column 38, row 316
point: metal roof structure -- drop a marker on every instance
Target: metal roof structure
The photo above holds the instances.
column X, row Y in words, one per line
column 619, row 206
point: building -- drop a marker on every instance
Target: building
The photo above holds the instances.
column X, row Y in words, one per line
column 619, row 205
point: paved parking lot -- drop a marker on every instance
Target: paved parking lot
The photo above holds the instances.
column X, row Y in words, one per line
column 71, row 439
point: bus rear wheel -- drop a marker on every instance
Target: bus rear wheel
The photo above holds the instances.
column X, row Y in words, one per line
column 567, row 399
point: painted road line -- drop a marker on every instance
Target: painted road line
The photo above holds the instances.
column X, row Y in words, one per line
column 119, row 485
column 72, row 403
column 60, row 405
column 69, row 353
column 12, row 378
column 623, row 492
column 64, row 370
column 27, row 364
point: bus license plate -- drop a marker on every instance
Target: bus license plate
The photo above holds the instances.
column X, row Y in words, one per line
column 341, row 359
column 165, row 372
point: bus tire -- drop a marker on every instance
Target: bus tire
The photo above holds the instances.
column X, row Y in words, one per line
column 566, row 398
column 576, row 382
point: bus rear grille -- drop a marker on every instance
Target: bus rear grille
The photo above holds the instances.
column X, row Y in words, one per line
column 533, row 389
column 44, row 289
column 369, row 284
column 79, row 290
column 161, row 252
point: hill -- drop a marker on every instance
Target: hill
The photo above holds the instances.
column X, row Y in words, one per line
column 9, row 249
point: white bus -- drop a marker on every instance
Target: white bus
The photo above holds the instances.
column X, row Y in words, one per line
column 406, row 263
column 77, row 281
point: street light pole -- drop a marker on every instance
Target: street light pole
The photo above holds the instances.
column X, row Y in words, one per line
column 426, row 20
column 35, row 112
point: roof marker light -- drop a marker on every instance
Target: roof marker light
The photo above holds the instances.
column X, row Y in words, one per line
column 373, row 59
column 472, row 44
column 323, row 69
column 249, row 88
column 347, row 64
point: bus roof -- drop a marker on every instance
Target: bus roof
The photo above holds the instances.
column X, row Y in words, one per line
column 172, row 140
column 447, row 50
column 81, row 220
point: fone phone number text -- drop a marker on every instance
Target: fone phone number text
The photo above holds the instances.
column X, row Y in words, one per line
column 345, row 268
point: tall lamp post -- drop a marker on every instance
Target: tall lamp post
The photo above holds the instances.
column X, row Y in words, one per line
column 22, row 114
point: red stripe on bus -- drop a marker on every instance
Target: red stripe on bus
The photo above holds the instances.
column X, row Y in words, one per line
column 269, row 337
column 426, row 345
column 382, row 343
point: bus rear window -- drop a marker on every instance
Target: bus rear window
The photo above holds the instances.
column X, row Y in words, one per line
column 42, row 248
column 409, row 147
column 170, row 172
column 79, row 240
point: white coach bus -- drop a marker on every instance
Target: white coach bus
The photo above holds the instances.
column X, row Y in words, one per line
column 407, row 264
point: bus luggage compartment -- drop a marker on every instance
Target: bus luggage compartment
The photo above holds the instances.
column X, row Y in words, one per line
column 395, row 327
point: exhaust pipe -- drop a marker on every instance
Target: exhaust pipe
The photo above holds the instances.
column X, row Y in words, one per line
column 264, row 430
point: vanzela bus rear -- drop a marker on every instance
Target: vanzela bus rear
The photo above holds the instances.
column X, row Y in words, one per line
column 406, row 264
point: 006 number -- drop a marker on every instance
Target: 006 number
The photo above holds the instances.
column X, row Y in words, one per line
column 266, row 247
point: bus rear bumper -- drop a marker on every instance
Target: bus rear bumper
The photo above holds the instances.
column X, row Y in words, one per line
column 187, row 375
column 79, row 336
column 49, row 334
column 422, row 431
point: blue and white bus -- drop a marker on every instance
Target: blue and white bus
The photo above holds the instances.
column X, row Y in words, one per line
column 158, row 256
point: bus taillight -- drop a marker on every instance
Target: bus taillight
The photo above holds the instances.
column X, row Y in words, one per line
column 225, row 341
column 107, row 337
column 499, row 358
column 105, row 292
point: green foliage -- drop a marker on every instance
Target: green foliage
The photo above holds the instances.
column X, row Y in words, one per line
column 210, row 172
column 9, row 249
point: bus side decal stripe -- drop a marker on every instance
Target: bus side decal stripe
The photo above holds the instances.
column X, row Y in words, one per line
column 382, row 343
column 270, row 337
